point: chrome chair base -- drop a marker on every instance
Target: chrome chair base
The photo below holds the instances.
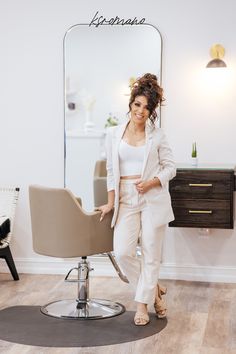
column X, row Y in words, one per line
column 92, row 309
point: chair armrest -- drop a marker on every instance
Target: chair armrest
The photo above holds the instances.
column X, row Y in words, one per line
column 100, row 191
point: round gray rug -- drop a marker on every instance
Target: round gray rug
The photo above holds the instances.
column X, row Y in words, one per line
column 27, row 325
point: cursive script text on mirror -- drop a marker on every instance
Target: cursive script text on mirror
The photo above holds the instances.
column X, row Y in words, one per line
column 101, row 20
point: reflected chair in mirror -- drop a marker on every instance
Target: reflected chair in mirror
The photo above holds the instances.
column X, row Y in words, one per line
column 8, row 201
column 100, row 183
column 61, row 228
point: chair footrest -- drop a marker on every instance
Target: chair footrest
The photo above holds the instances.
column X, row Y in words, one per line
column 92, row 309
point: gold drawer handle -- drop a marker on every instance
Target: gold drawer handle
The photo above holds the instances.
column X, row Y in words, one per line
column 200, row 211
column 200, row 184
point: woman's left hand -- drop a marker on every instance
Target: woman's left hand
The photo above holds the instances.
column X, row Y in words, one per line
column 143, row 186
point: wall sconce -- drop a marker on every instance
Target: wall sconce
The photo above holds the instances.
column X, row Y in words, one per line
column 217, row 52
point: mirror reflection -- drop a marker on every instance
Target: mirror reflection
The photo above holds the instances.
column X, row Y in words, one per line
column 100, row 64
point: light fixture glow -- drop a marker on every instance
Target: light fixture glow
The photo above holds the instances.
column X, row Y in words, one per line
column 128, row 90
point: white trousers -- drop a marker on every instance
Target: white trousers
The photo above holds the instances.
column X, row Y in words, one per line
column 134, row 221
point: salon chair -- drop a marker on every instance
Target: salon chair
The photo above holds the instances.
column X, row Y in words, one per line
column 100, row 183
column 61, row 228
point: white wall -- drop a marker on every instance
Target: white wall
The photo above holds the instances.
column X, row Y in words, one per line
column 31, row 109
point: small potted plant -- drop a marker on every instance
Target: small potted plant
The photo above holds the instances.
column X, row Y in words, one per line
column 111, row 121
column 194, row 154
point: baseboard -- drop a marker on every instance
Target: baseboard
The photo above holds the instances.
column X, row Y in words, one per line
column 103, row 267
column 190, row 272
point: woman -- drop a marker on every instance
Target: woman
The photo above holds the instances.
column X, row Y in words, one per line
column 139, row 166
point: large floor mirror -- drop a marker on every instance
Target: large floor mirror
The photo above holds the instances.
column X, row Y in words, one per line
column 99, row 66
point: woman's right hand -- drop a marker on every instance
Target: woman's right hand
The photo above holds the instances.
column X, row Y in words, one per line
column 105, row 209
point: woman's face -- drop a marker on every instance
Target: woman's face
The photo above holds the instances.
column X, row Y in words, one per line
column 139, row 111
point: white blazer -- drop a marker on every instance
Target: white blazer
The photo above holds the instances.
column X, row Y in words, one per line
column 158, row 162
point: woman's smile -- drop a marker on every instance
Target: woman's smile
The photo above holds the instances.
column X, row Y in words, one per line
column 139, row 116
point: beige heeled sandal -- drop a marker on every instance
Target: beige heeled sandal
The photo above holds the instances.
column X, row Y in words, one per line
column 141, row 319
column 160, row 304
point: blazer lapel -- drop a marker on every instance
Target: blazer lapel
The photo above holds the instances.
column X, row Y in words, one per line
column 116, row 141
column 147, row 148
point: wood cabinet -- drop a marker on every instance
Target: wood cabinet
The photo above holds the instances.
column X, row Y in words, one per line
column 203, row 197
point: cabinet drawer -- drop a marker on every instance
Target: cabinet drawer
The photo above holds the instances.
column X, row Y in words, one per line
column 202, row 213
column 201, row 184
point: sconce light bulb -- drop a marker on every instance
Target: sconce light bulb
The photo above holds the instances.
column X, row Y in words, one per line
column 217, row 52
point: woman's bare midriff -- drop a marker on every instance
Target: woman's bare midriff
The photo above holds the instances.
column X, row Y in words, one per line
column 130, row 177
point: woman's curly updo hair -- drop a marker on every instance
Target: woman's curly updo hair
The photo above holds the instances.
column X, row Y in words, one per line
column 148, row 86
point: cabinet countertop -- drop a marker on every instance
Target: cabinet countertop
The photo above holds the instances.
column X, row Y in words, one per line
column 206, row 166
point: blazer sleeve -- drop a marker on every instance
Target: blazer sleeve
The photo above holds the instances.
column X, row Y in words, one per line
column 109, row 165
column 168, row 169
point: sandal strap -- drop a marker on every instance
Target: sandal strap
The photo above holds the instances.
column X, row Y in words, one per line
column 141, row 316
column 160, row 305
column 162, row 289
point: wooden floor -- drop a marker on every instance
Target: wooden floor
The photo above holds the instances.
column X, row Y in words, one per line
column 201, row 316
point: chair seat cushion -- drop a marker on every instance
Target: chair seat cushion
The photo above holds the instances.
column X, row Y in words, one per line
column 5, row 227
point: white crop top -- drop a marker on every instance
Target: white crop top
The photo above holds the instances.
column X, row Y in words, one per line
column 131, row 159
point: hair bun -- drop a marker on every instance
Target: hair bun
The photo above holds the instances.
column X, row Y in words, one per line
column 149, row 76
column 148, row 80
